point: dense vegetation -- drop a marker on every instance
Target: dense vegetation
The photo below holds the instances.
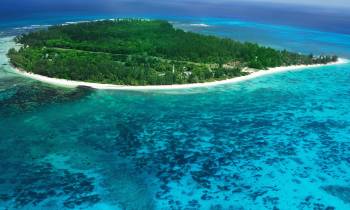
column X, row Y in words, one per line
column 139, row 52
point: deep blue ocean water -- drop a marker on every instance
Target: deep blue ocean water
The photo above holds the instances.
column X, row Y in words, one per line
column 277, row 142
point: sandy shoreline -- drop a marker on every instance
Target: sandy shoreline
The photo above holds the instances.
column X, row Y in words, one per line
column 74, row 84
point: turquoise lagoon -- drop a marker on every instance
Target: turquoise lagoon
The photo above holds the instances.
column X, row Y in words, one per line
column 277, row 142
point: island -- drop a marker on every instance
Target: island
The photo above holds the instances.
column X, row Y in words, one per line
column 139, row 52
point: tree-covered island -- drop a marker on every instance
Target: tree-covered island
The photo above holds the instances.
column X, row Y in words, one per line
column 142, row 52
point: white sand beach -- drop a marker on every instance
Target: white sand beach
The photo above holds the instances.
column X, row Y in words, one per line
column 74, row 84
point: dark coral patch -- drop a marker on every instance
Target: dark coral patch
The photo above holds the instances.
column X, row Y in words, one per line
column 341, row 192
column 28, row 97
column 38, row 183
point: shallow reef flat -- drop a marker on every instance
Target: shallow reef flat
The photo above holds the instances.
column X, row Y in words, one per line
column 280, row 141
column 267, row 145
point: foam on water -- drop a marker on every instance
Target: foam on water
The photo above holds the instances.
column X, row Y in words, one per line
column 276, row 142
